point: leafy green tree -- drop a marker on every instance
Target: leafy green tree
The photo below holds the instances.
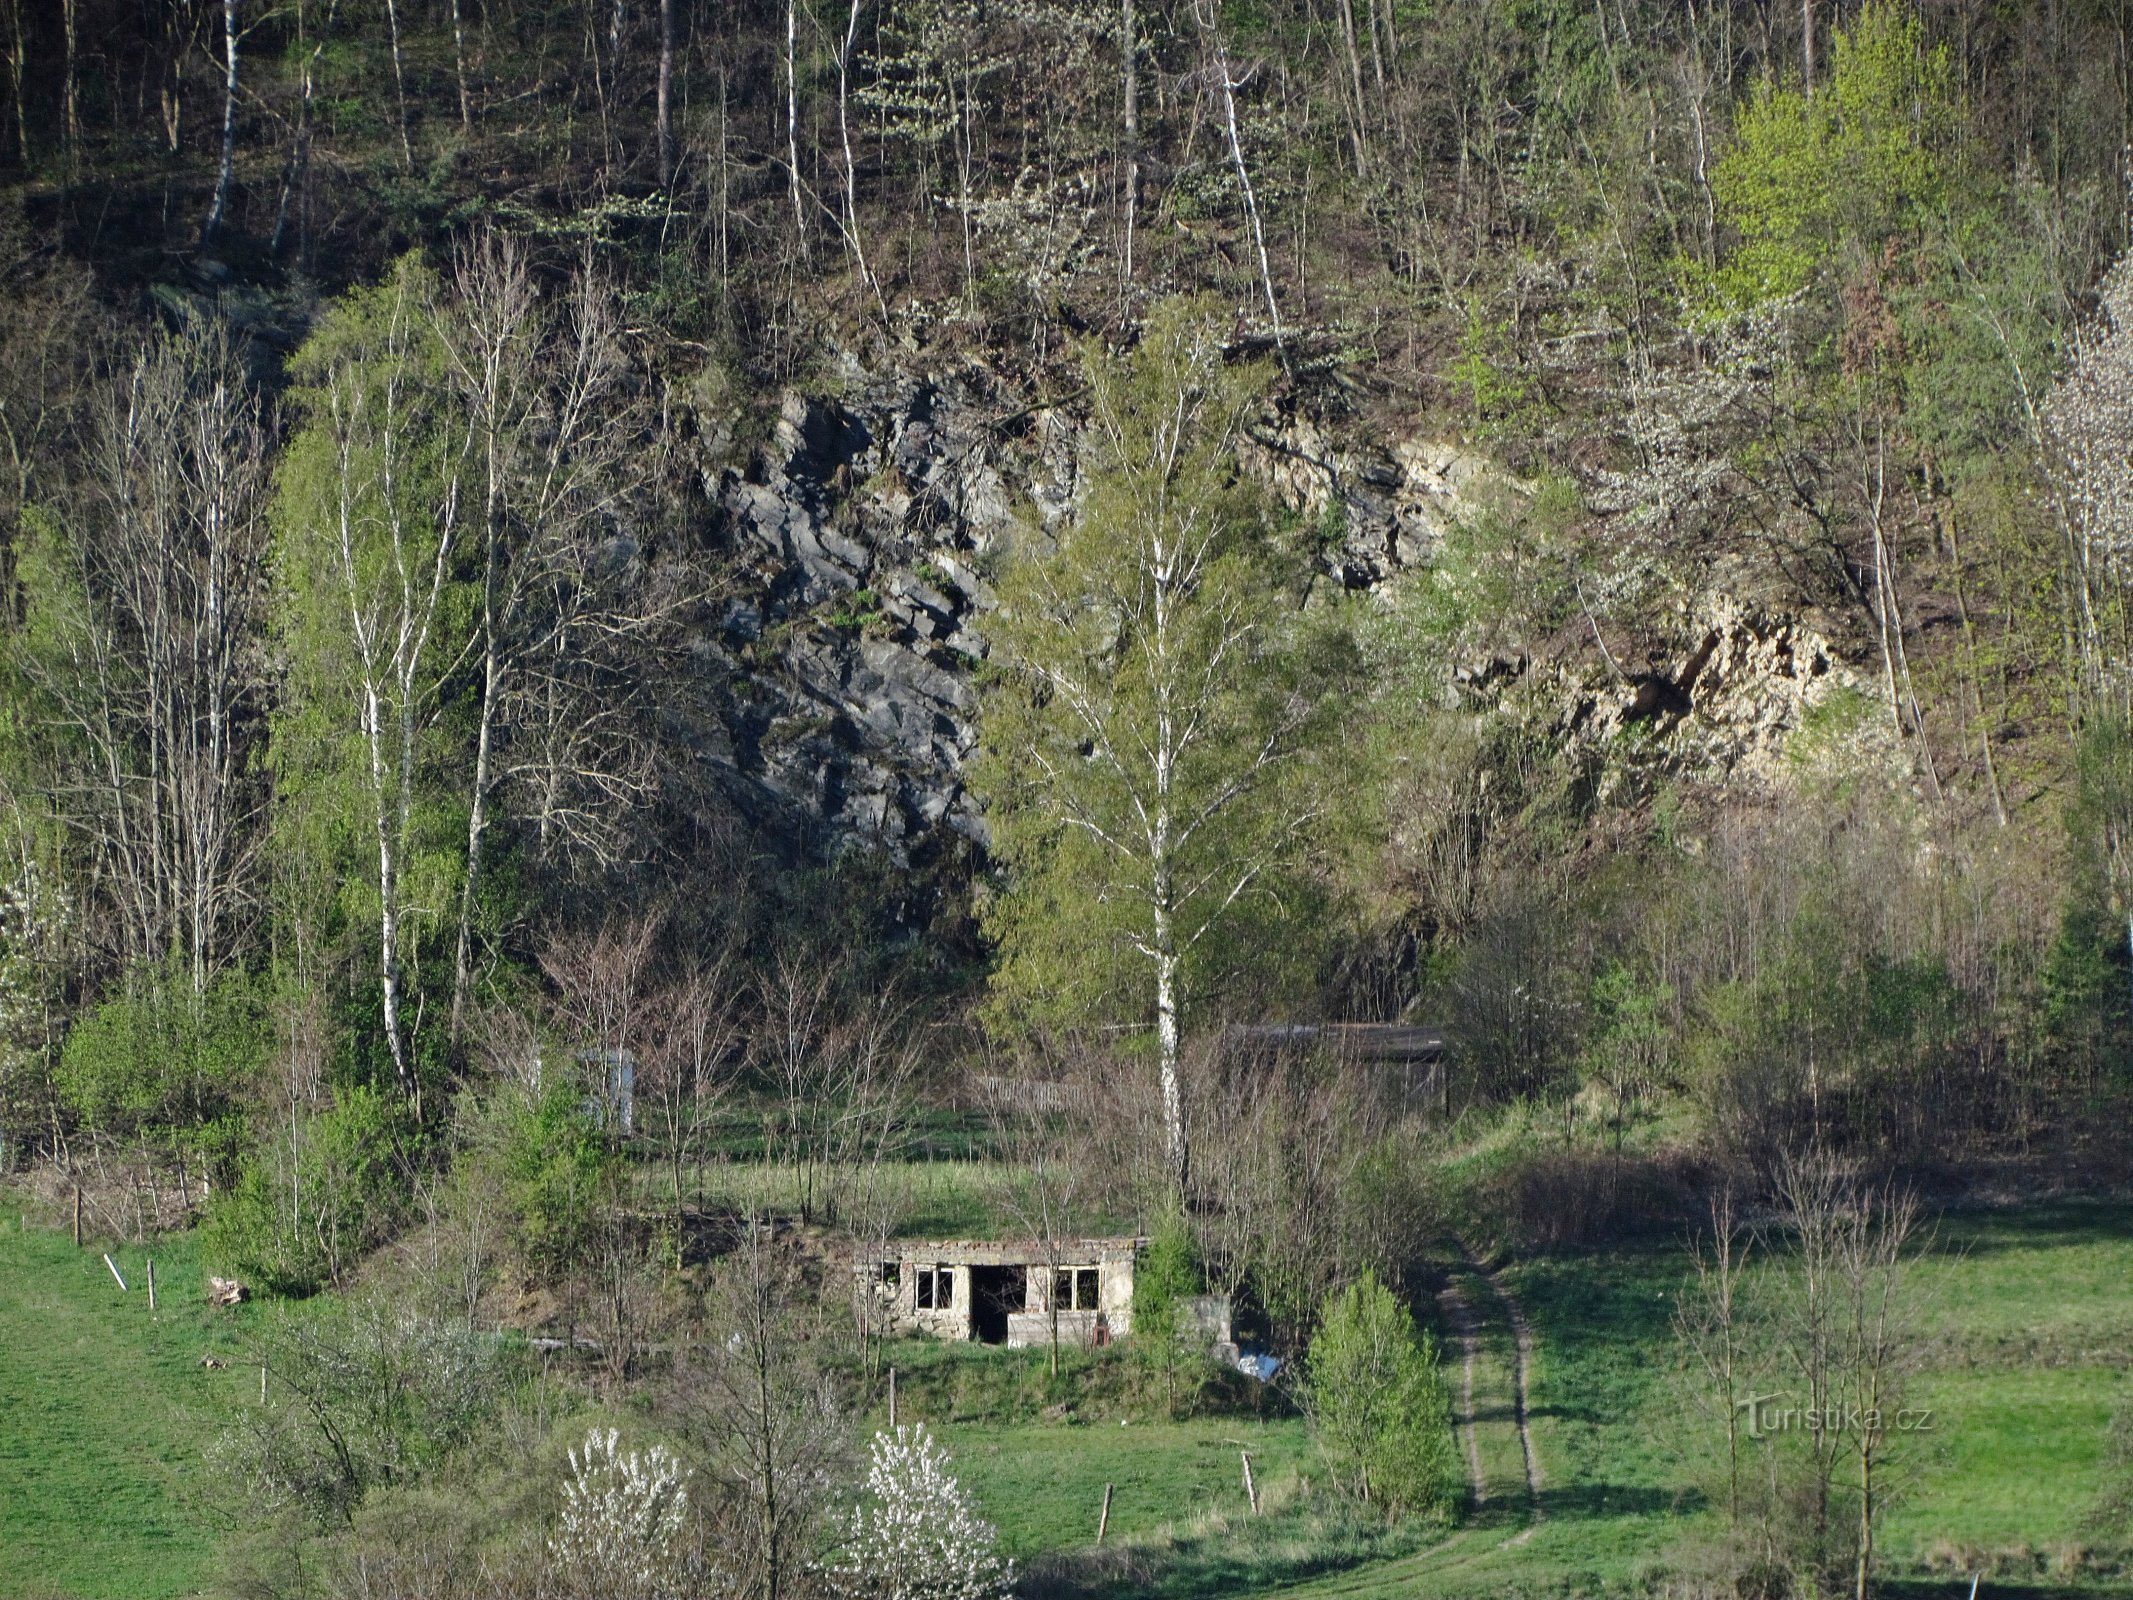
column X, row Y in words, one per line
column 312, row 1201
column 555, row 1161
column 375, row 616
column 1158, row 686
column 1379, row 1405
column 1862, row 159
column 161, row 1057
column 1165, row 1277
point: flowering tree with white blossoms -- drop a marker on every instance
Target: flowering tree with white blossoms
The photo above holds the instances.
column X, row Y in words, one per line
column 34, row 918
column 919, row 1537
column 622, row 1524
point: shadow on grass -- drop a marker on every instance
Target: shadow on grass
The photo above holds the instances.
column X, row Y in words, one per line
column 1977, row 1231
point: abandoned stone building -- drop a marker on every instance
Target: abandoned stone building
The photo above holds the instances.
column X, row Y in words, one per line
column 1005, row 1292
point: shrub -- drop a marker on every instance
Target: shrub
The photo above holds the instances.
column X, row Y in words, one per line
column 1164, row 1338
column 623, row 1517
column 920, row 1537
column 555, row 1161
column 1378, row 1404
column 161, row 1056
column 307, row 1206
column 366, row 1393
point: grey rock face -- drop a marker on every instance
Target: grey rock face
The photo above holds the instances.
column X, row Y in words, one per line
column 865, row 529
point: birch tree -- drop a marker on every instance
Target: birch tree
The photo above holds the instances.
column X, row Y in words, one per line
column 372, row 522
column 551, row 418
column 140, row 656
column 1158, row 682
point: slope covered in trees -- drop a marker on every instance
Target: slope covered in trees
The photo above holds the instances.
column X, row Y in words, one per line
column 629, row 631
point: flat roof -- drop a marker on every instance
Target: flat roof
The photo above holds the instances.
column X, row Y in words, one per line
column 1002, row 1252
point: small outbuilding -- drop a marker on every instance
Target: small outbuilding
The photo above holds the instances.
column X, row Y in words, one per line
column 1007, row 1292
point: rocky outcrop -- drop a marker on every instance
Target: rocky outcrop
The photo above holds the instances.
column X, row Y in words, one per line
column 864, row 529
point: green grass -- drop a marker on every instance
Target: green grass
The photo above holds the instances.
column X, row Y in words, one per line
column 103, row 1414
column 1044, row 1487
column 2036, row 1311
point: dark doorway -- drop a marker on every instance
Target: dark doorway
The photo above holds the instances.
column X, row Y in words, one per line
column 994, row 1292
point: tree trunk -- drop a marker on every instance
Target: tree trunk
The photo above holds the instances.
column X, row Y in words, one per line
column 392, row 24
column 792, row 121
column 1866, row 1523
column 1355, row 85
column 1166, row 1034
column 477, row 826
column 1130, row 49
column 388, row 896
column 70, row 98
column 1807, row 46
column 296, row 185
column 17, row 70
column 666, row 92
column 459, row 66
column 229, row 125
column 1211, row 21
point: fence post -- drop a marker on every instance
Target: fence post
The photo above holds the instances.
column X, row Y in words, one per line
column 1103, row 1520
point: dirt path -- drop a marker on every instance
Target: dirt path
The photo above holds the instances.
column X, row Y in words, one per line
column 1522, row 1377
column 1466, row 1336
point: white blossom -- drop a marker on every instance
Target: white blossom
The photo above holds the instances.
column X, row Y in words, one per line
column 622, row 1523
column 2088, row 423
column 919, row 1537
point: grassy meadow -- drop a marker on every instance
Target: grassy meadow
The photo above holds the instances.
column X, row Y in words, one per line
column 106, row 1414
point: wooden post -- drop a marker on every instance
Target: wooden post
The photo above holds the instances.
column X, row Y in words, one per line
column 151, row 1283
column 1103, row 1520
column 77, row 1216
column 113, row 1265
column 892, row 1399
column 1251, row 1489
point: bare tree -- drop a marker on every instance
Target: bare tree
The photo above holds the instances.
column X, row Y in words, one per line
column 1283, row 1203
column 760, row 1412
column 1037, row 1132
column 1712, row 1321
column 148, row 657
column 842, row 1071
column 604, row 983
column 1818, row 1203
column 687, row 1061
column 1884, row 1345
column 553, row 419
